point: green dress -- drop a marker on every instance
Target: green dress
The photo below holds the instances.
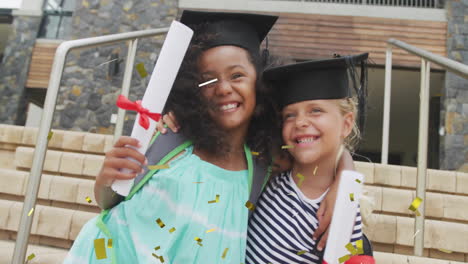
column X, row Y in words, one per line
column 184, row 199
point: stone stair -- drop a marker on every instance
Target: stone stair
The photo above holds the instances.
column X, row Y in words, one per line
column 74, row 159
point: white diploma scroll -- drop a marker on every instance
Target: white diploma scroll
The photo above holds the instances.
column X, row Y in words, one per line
column 344, row 216
column 165, row 71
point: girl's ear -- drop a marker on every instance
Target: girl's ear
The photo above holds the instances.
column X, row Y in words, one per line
column 348, row 123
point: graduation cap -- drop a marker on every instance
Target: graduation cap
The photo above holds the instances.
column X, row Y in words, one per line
column 334, row 78
column 237, row 29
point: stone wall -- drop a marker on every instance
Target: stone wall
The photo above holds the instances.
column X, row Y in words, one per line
column 87, row 94
column 454, row 142
column 14, row 69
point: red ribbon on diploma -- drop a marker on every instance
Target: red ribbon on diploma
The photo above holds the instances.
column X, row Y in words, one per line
column 145, row 114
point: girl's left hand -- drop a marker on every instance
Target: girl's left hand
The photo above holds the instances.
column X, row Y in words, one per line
column 170, row 120
column 325, row 211
column 324, row 215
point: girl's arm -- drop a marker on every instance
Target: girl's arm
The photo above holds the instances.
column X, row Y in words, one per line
column 325, row 211
column 114, row 162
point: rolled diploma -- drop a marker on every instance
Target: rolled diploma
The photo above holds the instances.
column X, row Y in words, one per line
column 165, row 71
column 344, row 216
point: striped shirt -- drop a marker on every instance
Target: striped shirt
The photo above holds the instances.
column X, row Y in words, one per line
column 281, row 227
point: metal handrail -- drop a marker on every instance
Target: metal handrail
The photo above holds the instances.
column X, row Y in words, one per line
column 426, row 59
column 49, row 107
column 406, row 3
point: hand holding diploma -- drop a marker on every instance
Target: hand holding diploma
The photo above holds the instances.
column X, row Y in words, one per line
column 155, row 97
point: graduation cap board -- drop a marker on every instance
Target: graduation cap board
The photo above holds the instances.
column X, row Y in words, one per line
column 155, row 97
column 237, row 29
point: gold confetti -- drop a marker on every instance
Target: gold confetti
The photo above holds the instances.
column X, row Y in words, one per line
column 301, row 179
column 160, row 223
column 172, row 230
column 208, row 82
column 210, row 230
column 157, row 248
column 415, row 205
column 255, row 153
column 224, row 253
column 301, row 252
column 161, row 259
column 445, row 250
column 315, row 170
column 49, row 136
column 31, row 256
column 360, row 247
column 287, row 146
column 89, row 199
column 250, row 205
column 141, row 69
column 31, row 211
column 351, row 197
column 216, row 200
column 358, row 181
column 351, row 249
column 100, row 248
column 199, row 241
column 109, row 243
column 158, row 167
column 344, row 258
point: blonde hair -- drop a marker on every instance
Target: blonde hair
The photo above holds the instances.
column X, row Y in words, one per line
column 350, row 105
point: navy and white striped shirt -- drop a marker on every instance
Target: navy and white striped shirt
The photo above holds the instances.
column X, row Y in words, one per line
column 283, row 223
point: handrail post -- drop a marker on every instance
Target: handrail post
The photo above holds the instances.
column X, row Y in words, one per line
column 422, row 155
column 127, row 79
column 34, row 182
column 387, row 97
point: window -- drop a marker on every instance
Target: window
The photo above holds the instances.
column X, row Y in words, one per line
column 57, row 20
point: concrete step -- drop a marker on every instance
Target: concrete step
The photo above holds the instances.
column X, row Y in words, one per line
column 53, row 188
column 43, row 254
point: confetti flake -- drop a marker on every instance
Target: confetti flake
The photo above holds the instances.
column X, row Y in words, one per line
column 172, row 230
column 344, row 258
column 358, row 181
column 351, row 197
column 415, row 234
column 161, row 259
column 49, row 136
column 351, row 249
column 315, row 170
column 199, row 241
column 360, row 247
column 250, row 205
column 301, row 252
column 415, row 205
column 100, row 248
column 224, row 253
column 158, row 167
column 31, row 211
column 287, row 146
column 210, row 230
column 141, row 70
column 109, row 243
column 89, row 199
column 208, row 82
column 216, row 200
column 301, row 179
column 445, row 250
column 255, row 153
column 160, row 223
column 31, row 256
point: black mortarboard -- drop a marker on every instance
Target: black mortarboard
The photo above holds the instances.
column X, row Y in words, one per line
column 237, row 29
column 321, row 79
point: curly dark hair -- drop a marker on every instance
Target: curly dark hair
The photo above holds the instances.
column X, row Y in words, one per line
column 191, row 108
